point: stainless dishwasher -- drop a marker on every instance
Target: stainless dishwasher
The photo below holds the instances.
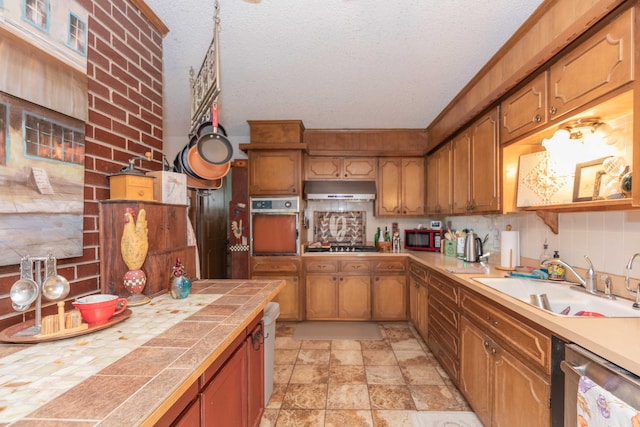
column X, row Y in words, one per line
column 578, row 362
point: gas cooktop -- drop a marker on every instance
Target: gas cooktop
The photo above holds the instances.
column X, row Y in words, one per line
column 345, row 248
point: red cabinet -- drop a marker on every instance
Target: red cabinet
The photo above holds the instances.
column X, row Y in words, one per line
column 224, row 399
column 255, row 375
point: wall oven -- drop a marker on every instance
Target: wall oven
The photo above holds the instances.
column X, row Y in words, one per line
column 275, row 226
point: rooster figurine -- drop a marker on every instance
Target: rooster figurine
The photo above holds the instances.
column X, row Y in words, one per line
column 133, row 247
column 135, row 243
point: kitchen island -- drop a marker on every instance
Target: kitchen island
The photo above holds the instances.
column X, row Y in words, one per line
column 135, row 372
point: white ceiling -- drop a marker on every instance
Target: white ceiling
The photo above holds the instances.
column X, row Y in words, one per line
column 331, row 63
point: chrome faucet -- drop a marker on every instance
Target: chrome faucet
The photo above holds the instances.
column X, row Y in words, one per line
column 590, row 280
column 627, row 270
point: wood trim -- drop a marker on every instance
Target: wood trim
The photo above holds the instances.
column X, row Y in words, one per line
column 366, row 142
column 154, row 19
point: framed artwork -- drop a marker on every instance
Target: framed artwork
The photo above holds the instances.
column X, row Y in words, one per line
column 587, row 180
column 541, row 181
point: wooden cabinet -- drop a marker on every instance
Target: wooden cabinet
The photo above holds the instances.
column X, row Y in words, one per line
column 167, row 238
column 439, row 191
column 286, row 269
column 232, row 387
column 401, row 186
column 525, row 110
column 600, row 64
column 419, row 298
column 275, row 172
column 338, row 289
column 390, row 299
column 476, row 167
column 341, row 168
column 444, row 323
column 504, row 366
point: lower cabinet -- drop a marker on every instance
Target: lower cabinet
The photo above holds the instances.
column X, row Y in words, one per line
column 337, row 290
column 390, row 295
column 231, row 390
column 224, row 399
column 501, row 383
column 444, row 323
column 419, row 299
column 286, row 269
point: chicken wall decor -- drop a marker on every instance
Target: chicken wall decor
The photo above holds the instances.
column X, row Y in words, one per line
column 133, row 247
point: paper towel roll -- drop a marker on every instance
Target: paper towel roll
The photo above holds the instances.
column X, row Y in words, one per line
column 509, row 249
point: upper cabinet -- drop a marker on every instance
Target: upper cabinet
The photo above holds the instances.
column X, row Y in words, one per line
column 401, row 186
column 476, row 166
column 526, row 109
column 439, row 181
column 275, row 157
column 275, row 172
column 599, row 65
column 341, row 168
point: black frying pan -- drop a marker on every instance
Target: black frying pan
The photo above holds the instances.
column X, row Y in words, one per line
column 213, row 147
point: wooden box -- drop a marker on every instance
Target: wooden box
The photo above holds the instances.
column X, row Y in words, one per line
column 169, row 187
column 131, row 187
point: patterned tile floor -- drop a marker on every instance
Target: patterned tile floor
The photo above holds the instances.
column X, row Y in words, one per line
column 356, row 383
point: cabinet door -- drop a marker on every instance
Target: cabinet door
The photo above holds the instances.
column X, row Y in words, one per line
column 461, row 166
column 274, row 172
column 475, row 370
column 439, row 189
column 224, row 400
column 190, row 417
column 322, row 296
column 419, row 306
column 413, row 186
column 599, row 65
column 360, row 168
column 525, row 110
column 390, row 297
column 389, row 183
column 255, row 375
column 354, row 297
column 323, row 168
column 485, row 166
column 288, row 298
column 520, row 396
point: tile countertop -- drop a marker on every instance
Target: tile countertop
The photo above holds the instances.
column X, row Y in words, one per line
column 131, row 373
column 615, row 339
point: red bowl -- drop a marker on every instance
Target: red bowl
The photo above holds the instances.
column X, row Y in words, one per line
column 589, row 314
column 98, row 309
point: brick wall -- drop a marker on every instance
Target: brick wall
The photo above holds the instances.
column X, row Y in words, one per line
column 124, row 70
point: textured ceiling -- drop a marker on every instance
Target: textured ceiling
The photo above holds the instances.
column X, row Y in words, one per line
column 331, row 63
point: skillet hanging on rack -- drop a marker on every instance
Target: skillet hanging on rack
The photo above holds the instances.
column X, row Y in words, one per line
column 213, row 147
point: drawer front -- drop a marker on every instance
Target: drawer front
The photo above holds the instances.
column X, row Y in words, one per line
column 523, row 339
column 418, row 272
column 354, row 266
column 273, row 266
column 382, row 266
column 448, row 362
column 448, row 315
column 321, row 266
column 449, row 291
column 448, row 337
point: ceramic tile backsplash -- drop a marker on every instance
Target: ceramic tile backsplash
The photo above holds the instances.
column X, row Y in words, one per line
column 608, row 238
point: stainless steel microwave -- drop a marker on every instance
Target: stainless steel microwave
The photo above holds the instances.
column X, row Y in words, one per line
column 422, row 240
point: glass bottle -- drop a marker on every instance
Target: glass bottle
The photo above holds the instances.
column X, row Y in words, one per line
column 180, row 284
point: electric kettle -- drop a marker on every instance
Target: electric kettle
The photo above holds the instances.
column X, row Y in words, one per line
column 472, row 247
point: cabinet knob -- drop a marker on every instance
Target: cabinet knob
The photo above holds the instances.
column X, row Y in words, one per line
column 537, row 118
column 553, row 110
column 493, row 350
column 486, row 343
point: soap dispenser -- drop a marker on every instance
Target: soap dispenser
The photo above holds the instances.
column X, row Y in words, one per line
column 555, row 270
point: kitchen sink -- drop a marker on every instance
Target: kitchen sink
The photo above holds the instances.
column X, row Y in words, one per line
column 561, row 296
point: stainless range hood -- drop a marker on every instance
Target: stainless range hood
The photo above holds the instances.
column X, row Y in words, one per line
column 340, row 190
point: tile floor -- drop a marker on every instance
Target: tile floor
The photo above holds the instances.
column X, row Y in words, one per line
column 356, row 383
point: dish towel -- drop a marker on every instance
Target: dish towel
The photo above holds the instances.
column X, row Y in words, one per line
column 597, row 407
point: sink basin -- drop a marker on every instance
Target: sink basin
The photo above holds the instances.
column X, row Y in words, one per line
column 561, row 296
